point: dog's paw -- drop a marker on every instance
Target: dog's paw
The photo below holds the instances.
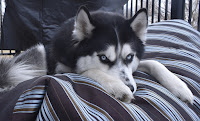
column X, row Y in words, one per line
column 181, row 91
column 112, row 85
column 120, row 91
column 167, row 79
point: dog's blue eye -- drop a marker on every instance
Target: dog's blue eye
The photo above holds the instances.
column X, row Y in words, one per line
column 103, row 57
column 129, row 57
column 105, row 60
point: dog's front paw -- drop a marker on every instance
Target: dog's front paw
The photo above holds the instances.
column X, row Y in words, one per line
column 181, row 90
column 112, row 85
column 167, row 79
column 120, row 91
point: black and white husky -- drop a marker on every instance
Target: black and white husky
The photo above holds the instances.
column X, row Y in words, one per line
column 103, row 46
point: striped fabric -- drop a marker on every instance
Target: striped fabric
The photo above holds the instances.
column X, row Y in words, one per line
column 46, row 111
column 30, row 100
column 73, row 97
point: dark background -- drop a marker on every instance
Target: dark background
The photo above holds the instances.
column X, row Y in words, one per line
column 27, row 22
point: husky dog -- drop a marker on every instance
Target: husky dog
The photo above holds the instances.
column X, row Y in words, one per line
column 106, row 47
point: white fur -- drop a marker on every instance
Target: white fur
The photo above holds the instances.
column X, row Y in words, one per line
column 126, row 50
column 90, row 62
column 111, row 84
column 139, row 26
column 24, row 66
column 118, row 42
column 167, row 79
column 135, row 63
column 41, row 49
column 20, row 72
column 116, row 71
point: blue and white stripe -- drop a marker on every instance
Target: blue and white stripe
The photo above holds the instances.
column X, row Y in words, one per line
column 30, row 100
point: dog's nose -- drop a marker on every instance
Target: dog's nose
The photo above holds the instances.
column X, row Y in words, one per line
column 127, row 79
column 131, row 87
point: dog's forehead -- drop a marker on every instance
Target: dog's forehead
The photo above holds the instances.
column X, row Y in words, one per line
column 126, row 49
column 117, row 35
column 117, row 45
column 112, row 35
column 111, row 26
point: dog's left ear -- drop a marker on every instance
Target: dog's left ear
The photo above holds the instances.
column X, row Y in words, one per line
column 139, row 24
column 83, row 24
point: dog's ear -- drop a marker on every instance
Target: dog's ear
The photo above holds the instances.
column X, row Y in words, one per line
column 83, row 24
column 139, row 24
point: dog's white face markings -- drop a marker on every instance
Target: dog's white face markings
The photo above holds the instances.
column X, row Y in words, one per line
column 90, row 62
column 118, row 42
column 124, row 68
column 118, row 69
column 93, row 62
column 127, row 51
column 109, row 53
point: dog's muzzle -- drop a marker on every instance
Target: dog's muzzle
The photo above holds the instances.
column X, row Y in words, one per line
column 128, row 80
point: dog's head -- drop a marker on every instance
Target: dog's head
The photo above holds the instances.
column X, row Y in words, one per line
column 110, row 43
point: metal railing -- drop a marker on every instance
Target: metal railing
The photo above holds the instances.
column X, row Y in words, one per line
column 159, row 10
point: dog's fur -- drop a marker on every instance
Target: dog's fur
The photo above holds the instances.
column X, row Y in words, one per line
column 103, row 46
column 27, row 65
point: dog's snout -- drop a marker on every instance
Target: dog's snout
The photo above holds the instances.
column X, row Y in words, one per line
column 127, row 78
column 131, row 87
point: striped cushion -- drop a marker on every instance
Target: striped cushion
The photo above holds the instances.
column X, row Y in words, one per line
column 175, row 44
column 73, row 97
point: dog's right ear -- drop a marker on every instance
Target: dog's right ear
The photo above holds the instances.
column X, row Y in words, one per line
column 83, row 24
column 139, row 23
